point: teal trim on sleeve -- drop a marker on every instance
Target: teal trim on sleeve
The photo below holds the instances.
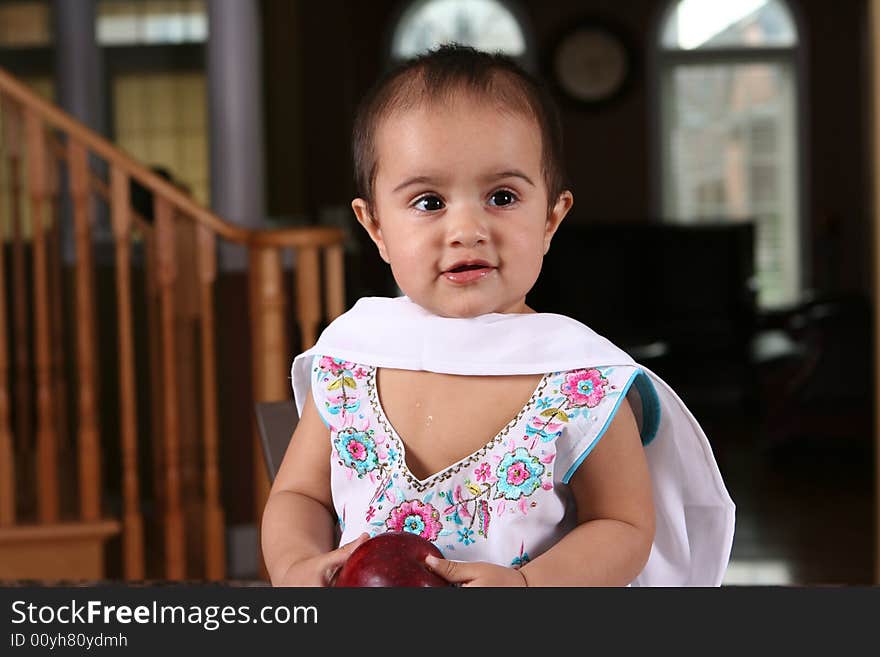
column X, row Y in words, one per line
column 576, row 464
column 650, row 407
column 314, row 396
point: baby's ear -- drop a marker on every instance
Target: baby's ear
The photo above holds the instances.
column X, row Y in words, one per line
column 365, row 218
column 556, row 215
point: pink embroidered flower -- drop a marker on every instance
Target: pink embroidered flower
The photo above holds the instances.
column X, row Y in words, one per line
column 335, row 366
column 360, row 373
column 482, row 473
column 356, row 450
column 517, row 474
column 417, row 518
column 584, row 387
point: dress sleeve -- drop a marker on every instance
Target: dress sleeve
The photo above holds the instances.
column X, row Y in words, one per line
column 594, row 396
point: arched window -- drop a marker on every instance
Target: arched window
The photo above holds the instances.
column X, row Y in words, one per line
column 489, row 25
column 126, row 22
column 728, row 128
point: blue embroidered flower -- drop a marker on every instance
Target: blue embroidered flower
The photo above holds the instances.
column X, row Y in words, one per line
column 519, row 474
column 357, row 450
column 464, row 536
column 521, row 560
column 544, row 402
column 337, row 403
column 543, row 429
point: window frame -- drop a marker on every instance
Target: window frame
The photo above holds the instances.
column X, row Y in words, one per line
column 660, row 66
column 529, row 60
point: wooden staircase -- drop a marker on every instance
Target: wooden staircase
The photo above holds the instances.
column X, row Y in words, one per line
column 59, row 513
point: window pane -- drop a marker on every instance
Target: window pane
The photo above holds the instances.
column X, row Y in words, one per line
column 151, row 21
column 707, row 24
column 160, row 121
column 484, row 24
column 730, row 154
column 25, row 24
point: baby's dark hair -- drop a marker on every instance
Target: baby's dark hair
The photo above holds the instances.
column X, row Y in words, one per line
column 437, row 76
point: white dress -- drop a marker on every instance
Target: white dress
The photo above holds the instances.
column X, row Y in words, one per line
column 509, row 501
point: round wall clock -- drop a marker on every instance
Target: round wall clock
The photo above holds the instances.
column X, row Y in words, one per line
column 591, row 63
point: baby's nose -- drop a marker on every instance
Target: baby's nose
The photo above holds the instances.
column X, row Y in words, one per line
column 467, row 229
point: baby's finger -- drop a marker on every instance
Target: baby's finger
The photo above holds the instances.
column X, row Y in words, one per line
column 452, row 571
column 351, row 546
column 340, row 555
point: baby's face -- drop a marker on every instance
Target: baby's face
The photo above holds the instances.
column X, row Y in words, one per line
column 461, row 211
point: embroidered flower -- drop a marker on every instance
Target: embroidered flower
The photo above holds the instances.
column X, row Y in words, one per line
column 417, row 518
column 337, row 404
column 483, row 472
column 360, row 373
column 584, row 387
column 544, row 402
column 357, row 449
column 465, row 536
column 521, row 560
column 543, row 428
column 335, row 366
column 519, row 474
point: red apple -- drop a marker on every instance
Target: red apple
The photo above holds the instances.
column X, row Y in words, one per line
column 390, row 559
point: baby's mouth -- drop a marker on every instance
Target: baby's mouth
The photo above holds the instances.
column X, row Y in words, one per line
column 468, row 272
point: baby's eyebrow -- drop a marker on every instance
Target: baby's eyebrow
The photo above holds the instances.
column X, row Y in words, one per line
column 513, row 173
column 500, row 175
column 415, row 180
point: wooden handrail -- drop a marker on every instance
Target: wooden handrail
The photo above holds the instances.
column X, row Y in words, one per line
column 178, row 261
column 181, row 202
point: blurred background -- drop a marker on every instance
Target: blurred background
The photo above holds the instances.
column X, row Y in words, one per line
column 175, row 182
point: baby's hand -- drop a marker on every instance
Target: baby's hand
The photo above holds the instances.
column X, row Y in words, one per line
column 319, row 570
column 476, row 573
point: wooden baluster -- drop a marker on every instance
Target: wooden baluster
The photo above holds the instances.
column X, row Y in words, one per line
column 154, row 342
column 21, row 334
column 57, row 295
column 334, row 274
column 186, row 302
column 47, row 442
column 270, row 357
column 87, row 436
column 7, row 456
column 175, row 542
column 215, row 547
column 308, row 294
column 132, row 520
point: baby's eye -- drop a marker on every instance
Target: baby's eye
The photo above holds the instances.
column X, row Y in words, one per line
column 502, row 197
column 429, row 203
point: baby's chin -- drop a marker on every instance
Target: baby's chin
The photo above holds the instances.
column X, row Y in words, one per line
column 463, row 308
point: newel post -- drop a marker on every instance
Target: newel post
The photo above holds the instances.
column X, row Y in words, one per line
column 270, row 352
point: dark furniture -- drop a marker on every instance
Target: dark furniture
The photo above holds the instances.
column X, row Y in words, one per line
column 680, row 298
column 276, row 421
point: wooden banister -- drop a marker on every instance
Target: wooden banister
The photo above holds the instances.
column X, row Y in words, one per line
column 215, row 552
column 13, row 129
column 308, row 294
column 174, row 405
column 334, row 275
column 268, row 307
column 7, row 455
column 56, row 295
column 132, row 521
column 89, row 456
column 175, row 542
column 180, row 201
column 47, row 444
